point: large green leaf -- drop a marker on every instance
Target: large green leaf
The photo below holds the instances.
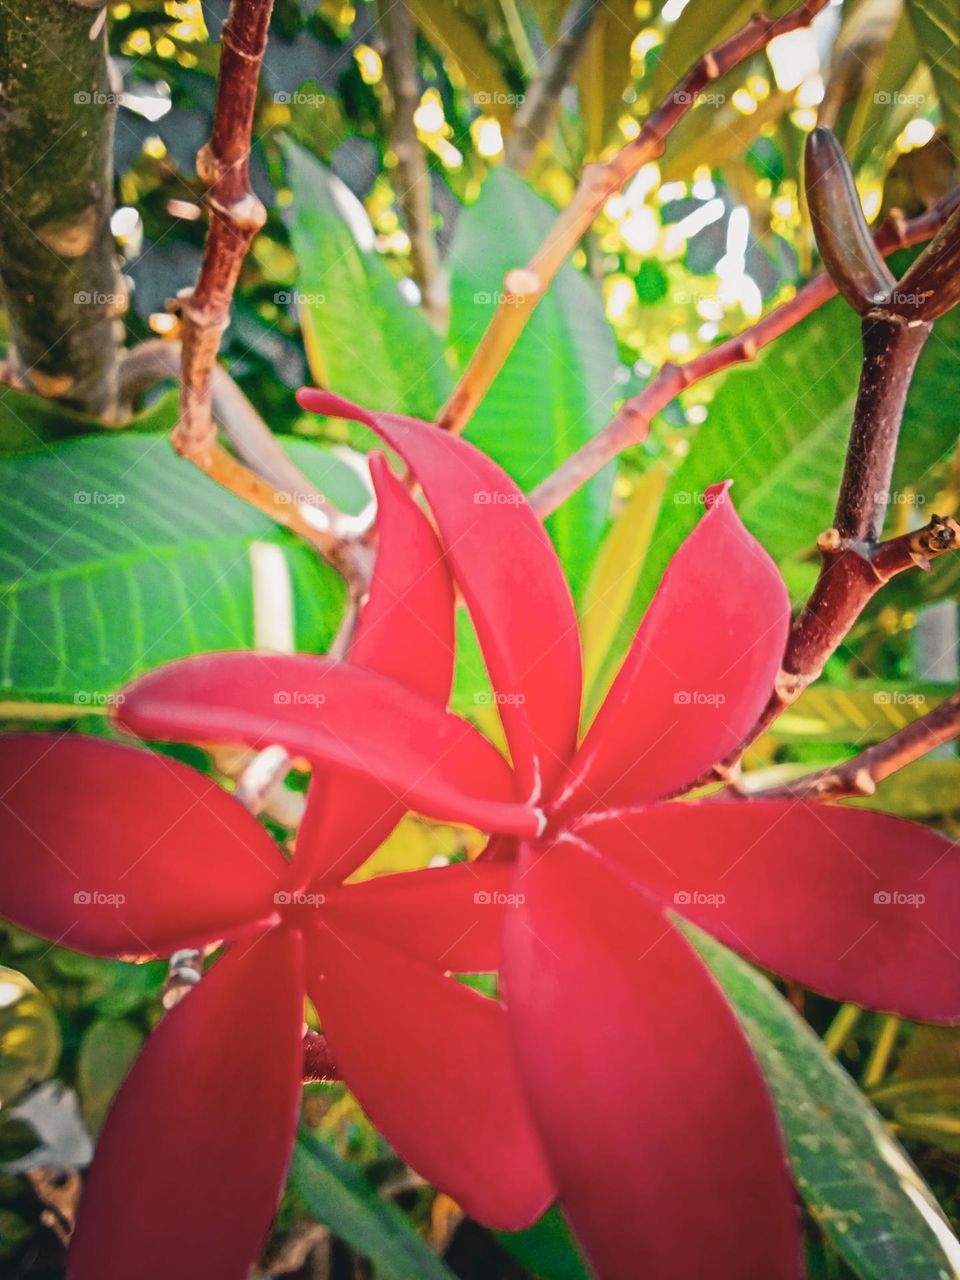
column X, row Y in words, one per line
column 937, row 24
column 557, row 387
column 115, row 556
column 341, row 1197
column 856, row 1180
column 363, row 341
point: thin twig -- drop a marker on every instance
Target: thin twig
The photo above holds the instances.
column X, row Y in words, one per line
column 534, row 117
column 632, row 422
column 412, row 174
column 524, row 287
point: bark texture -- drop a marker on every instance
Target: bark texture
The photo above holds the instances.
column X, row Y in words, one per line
column 58, row 273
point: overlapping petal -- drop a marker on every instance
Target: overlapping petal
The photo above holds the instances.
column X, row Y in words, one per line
column 405, row 632
column 645, row 1093
column 700, row 669
column 191, row 1162
column 450, row 917
column 855, row 904
column 333, row 713
column 117, row 851
column 429, row 1061
column 511, row 580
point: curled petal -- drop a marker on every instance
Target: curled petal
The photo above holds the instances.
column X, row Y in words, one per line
column 858, row 905
column 428, row 1060
column 333, row 713
column 190, row 1164
column 699, row 672
column 116, row 851
column 405, row 632
column 511, row 580
column 651, row 1108
column 450, row 917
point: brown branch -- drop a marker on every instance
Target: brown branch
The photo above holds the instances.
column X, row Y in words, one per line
column 413, row 175
column 236, row 216
column 859, row 775
column 631, row 424
column 534, row 117
column 854, row 565
column 523, row 288
column 158, row 360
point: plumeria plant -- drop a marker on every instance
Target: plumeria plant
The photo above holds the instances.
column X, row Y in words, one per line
column 544, row 1029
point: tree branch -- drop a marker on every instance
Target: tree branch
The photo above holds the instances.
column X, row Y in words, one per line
column 236, row 216
column 534, row 117
column 632, row 422
column 859, row 775
column 413, row 175
column 854, row 565
column 523, row 288
column 60, row 285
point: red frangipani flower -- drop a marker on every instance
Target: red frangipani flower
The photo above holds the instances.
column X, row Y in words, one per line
column 119, row 852
column 645, row 1095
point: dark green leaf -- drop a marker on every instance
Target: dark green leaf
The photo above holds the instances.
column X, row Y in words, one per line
column 547, row 1249
column 339, row 1196
column 855, row 1178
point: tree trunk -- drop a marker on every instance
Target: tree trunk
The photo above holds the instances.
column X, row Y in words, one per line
column 58, row 273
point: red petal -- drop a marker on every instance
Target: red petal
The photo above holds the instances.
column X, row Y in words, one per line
column 511, row 580
column 651, row 1108
column 428, row 1060
column 405, row 632
column 333, row 713
column 190, row 1164
column 451, row 917
column 858, row 905
column 116, row 851
column 699, row 672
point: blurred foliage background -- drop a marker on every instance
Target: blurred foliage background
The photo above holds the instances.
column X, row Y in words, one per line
column 698, row 246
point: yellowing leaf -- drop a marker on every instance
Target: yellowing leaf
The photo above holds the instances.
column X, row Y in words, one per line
column 614, row 578
column 29, row 1035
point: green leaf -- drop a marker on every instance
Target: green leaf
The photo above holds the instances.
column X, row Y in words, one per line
column 466, row 47
column 107, row 1051
column 29, row 1036
column 613, row 580
column 363, row 341
column 339, row 1196
column 862, row 715
column 937, row 24
column 547, row 1249
column 604, row 71
column 117, row 556
column 855, row 1178
column 557, row 387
